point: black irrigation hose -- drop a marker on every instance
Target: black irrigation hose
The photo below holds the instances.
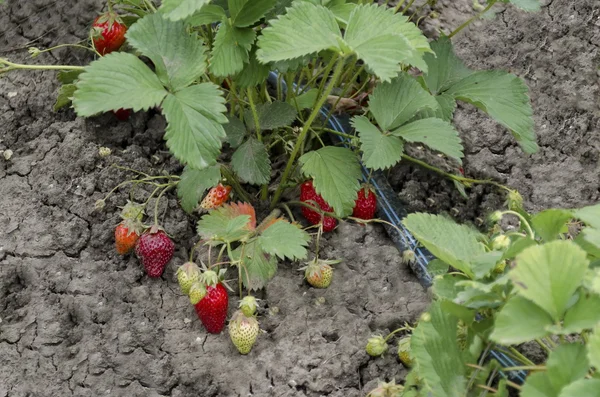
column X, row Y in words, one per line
column 390, row 208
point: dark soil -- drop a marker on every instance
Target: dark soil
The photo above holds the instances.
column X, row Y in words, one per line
column 77, row 319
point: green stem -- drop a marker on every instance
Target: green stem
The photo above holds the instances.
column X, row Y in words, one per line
column 523, row 220
column 239, row 190
column 457, row 178
column 470, row 20
column 394, row 332
column 254, row 113
column 12, row 66
column 520, row 357
column 150, row 5
column 194, row 248
column 157, row 201
column 38, row 51
column 344, row 92
column 334, row 132
column 300, row 141
column 526, row 368
column 410, row 3
column 398, row 6
column 543, row 346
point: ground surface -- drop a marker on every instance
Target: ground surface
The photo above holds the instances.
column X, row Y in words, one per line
column 76, row 319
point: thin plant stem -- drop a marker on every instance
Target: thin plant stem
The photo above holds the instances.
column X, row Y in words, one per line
column 150, row 5
column 157, row 201
column 523, row 220
column 410, row 3
column 513, row 385
column 62, row 46
column 543, row 346
column 250, row 95
column 194, row 248
column 235, row 183
column 519, row 356
column 14, row 66
column 300, row 141
column 398, row 6
column 474, row 18
column 394, row 332
column 525, row 368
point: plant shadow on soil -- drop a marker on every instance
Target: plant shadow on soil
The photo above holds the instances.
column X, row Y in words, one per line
column 77, row 319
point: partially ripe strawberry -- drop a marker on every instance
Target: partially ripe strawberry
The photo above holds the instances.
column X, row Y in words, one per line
column 216, row 197
column 154, row 249
column 366, row 204
column 108, row 32
column 308, row 194
column 319, row 272
column 122, row 114
column 212, row 309
column 187, row 274
column 127, row 234
column 243, row 331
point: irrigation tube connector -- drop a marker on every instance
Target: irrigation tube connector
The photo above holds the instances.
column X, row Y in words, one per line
column 390, row 209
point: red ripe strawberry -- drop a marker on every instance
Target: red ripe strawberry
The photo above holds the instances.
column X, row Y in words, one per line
column 366, row 204
column 122, row 114
column 212, row 309
column 216, row 197
column 307, row 194
column 108, row 32
column 155, row 249
column 127, row 234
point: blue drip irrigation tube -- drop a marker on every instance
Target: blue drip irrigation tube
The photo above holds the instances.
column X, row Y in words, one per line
column 390, row 209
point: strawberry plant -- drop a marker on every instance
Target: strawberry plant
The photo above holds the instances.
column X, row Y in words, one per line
column 548, row 294
column 208, row 67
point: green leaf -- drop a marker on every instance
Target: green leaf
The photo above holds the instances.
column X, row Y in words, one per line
column 583, row 315
column 285, row 241
column 258, row 267
column 231, row 49
column 178, row 56
column 393, row 104
column 379, row 38
column 437, row 267
column 485, row 263
column 549, row 274
column 208, row 14
column 436, row 133
column 342, row 12
column 518, row 246
column 444, row 67
column 305, row 100
column 253, row 74
column 194, row 131
column 520, row 321
column 227, row 223
column 454, row 244
column 590, row 215
column 194, row 183
column 380, row 150
column 538, row 385
column 593, row 347
column 305, row 29
column 527, row 5
column 235, row 130
column 445, row 286
column 251, row 162
column 582, row 388
column 335, row 172
column 505, row 98
column 439, row 361
column 68, row 76
column 180, row 9
column 566, row 364
column 64, row 96
column 445, row 110
column 117, row 80
column 589, row 240
column 248, row 12
column 273, row 115
column 550, row 223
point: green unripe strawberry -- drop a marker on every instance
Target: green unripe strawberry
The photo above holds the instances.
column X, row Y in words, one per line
column 248, row 305
column 376, row 346
column 404, row 352
column 197, row 292
column 188, row 274
column 500, row 243
column 133, row 211
column 243, row 331
column 500, row 267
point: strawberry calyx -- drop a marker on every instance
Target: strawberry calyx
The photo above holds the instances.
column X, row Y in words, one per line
column 109, row 18
column 133, row 226
column 132, row 210
column 210, row 278
column 248, row 305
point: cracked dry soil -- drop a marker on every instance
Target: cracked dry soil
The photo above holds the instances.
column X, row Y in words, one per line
column 78, row 320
